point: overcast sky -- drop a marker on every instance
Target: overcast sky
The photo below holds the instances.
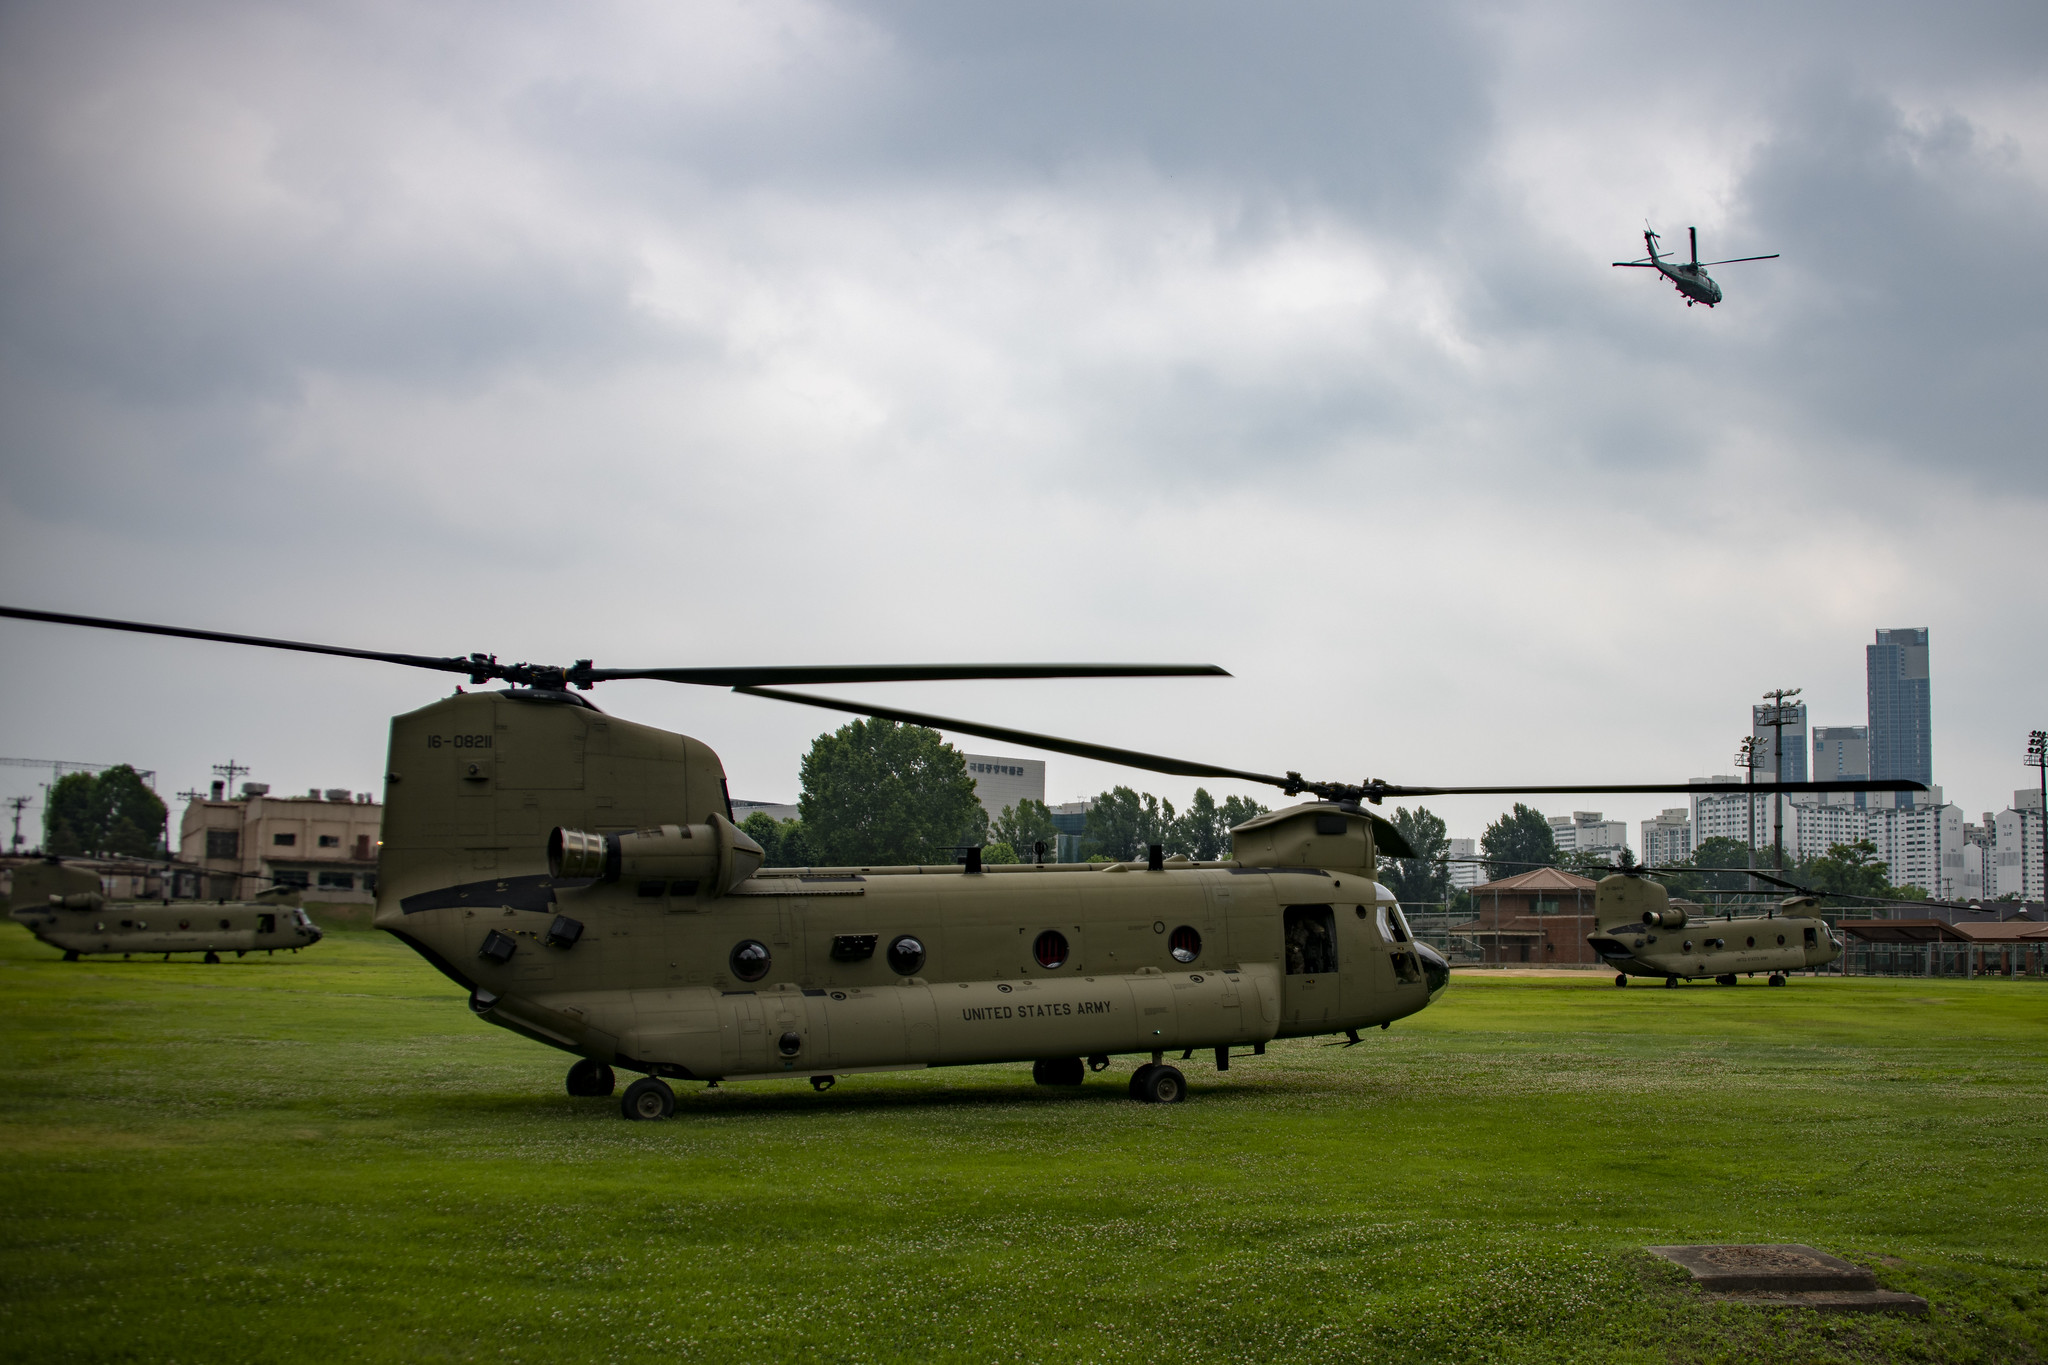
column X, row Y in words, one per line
column 1280, row 337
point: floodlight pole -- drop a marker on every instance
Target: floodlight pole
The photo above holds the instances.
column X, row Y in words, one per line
column 1776, row 697
column 1746, row 758
column 2037, row 757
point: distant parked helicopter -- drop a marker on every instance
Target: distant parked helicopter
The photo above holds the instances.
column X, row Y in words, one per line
column 1630, row 908
column 1691, row 278
column 64, row 907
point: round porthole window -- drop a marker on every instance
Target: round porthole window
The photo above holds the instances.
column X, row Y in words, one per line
column 1781, row 940
column 184, row 924
column 906, row 956
column 750, row 959
column 223, row 924
column 1186, row 944
column 1688, row 945
column 790, row 1044
column 1752, row 943
column 1051, row 949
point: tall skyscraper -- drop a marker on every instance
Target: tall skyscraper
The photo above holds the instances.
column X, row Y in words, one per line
column 1789, row 765
column 1901, row 714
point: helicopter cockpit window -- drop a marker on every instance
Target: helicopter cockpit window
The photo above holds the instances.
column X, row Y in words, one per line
column 750, row 959
column 1311, row 933
column 1391, row 928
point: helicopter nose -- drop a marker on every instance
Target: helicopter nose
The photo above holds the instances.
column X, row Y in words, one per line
column 1435, row 970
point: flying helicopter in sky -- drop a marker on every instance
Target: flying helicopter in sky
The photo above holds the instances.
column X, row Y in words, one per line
column 1689, row 277
column 580, row 877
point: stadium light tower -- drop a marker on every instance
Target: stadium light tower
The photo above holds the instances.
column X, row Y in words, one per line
column 1775, row 718
column 2037, row 757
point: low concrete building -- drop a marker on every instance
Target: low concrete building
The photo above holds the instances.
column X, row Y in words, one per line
column 324, row 842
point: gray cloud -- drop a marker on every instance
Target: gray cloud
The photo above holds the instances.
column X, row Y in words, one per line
column 761, row 331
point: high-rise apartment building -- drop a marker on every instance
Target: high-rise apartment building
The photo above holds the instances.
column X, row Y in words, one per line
column 1668, row 838
column 1585, row 831
column 1901, row 714
column 1465, row 874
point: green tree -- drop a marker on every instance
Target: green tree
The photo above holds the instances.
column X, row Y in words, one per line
column 876, row 792
column 999, row 852
column 1425, row 878
column 1234, row 811
column 1024, row 825
column 1518, row 841
column 782, row 841
column 1199, row 832
column 114, row 812
column 1122, row 822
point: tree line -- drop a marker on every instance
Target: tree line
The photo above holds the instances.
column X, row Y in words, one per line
column 879, row 793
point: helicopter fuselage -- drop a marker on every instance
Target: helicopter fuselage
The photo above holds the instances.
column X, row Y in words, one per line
column 1692, row 281
column 1718, row 946
column 683, row 958
column 1649, row 934
column 63, row 907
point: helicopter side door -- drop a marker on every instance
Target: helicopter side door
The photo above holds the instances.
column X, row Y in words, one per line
column 1311, row 994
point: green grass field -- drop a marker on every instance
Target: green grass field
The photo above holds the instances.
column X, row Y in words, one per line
column 326, row 1157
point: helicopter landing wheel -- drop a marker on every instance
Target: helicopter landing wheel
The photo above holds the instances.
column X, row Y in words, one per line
column 1670, row 981
column 1621, row 978
column 211, row 957
column 1775, row 979
column 823, row 1083
column 591, row 1079
column 648, row 1098
column 71, row 955
column 1058, row 1071
column 1158, row 1083
column 1728, row 980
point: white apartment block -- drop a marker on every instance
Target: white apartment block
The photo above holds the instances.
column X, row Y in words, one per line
column 1584, row 831
column 2016, row 849
column 1668, row 838
column 1464, row 875
column 1725, row 813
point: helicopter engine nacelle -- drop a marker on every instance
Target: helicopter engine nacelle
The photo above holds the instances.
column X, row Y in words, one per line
column 717, row 855
column 1622, row 899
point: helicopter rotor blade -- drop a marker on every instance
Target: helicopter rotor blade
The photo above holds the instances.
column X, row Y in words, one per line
column 1694, row 234
column 866, row 673
column 1640, row 265
column 481, row 668
column 1738, row 260
column 445, row 665
column 1293, row 783
column 1104, row 753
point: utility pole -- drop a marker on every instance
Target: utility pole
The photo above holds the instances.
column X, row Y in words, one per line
column 230, row 770
column 17, row 804
column 1776, row 720
column 2037, row 757
column 1747, row 757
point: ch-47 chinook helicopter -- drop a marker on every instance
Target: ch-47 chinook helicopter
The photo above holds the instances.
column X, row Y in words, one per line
column 580, row 877
column 1690, row 278
column 1641, row 931
column 63, row 906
